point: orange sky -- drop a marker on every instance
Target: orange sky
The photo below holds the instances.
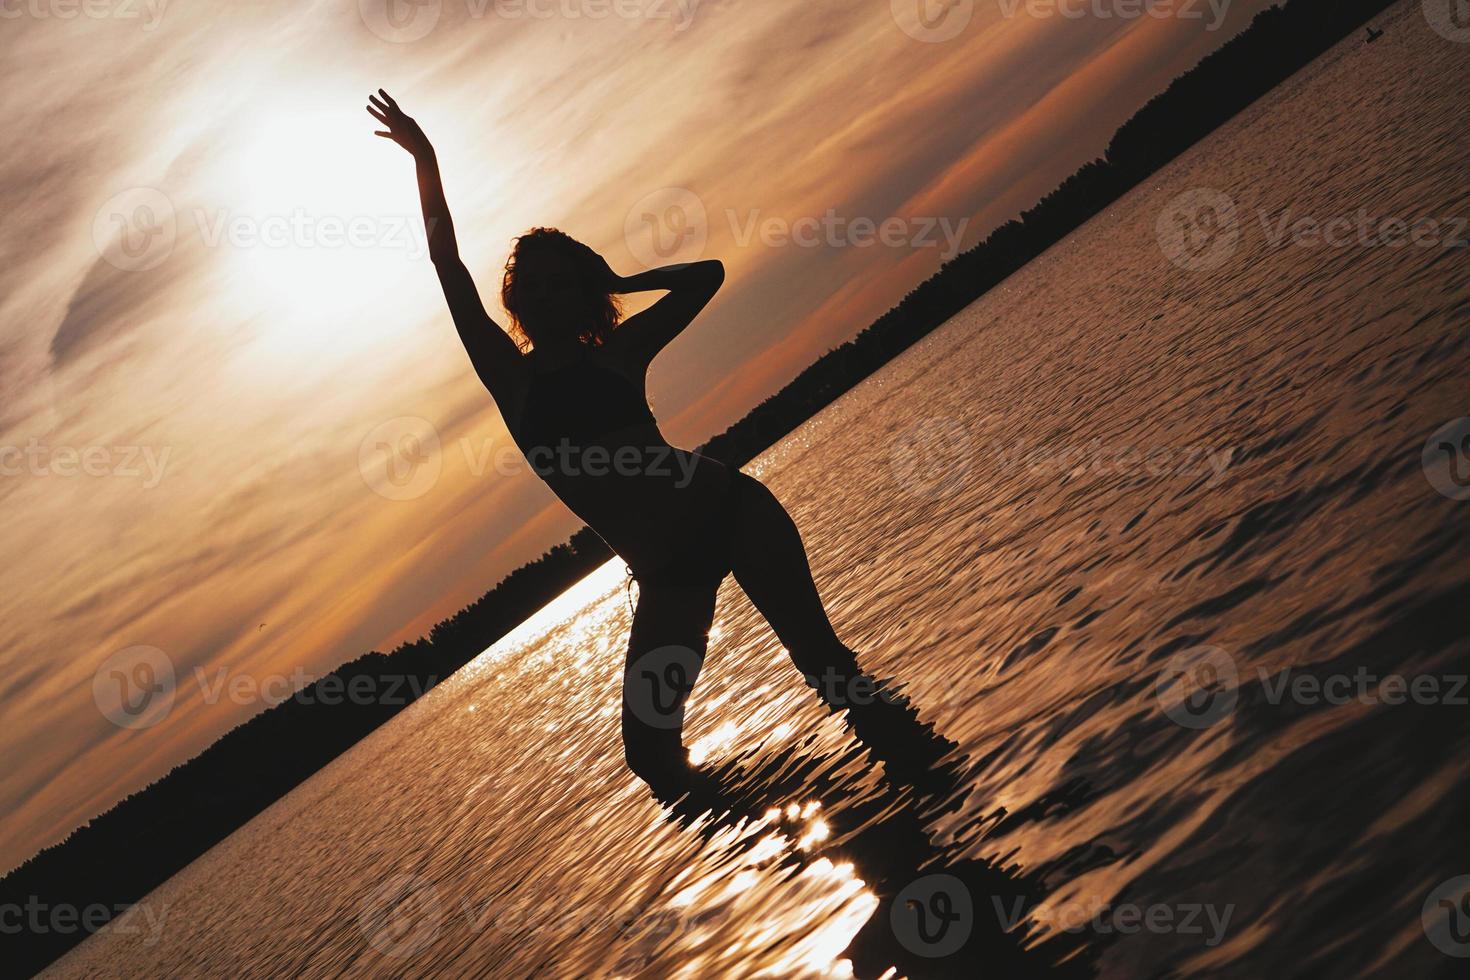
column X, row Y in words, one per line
column 214, row 302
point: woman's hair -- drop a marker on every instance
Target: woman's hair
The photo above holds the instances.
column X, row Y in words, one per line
column 577, row 269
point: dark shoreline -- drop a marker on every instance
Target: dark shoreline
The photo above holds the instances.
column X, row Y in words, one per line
column 120, row 856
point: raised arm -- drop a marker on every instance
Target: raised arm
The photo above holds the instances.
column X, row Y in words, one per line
column 691, row 286
column 494, row 355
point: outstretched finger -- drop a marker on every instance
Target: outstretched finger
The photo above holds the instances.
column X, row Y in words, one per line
column 379, row 103
column 383, row 133
column 389, row 99
column 377, row 115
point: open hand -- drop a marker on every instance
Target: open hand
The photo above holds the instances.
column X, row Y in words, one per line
column 401, row 127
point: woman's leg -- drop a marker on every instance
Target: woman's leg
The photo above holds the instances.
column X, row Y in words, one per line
column 771, row 566
column 665, row 653
column 770, row 563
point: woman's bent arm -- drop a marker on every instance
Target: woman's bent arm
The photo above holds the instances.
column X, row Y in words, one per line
column 691, row 286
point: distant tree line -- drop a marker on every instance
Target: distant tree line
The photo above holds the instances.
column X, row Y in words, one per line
column 119, row 857
column 1278, row 43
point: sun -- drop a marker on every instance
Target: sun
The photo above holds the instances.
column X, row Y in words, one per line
column 317, row 219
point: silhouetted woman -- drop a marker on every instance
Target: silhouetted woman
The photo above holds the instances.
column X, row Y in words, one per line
column 576, row 405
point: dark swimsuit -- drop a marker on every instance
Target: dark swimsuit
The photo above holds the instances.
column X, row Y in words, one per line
column 580, row 402
column 577, row 405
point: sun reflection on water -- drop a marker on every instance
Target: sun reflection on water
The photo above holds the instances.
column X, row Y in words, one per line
column 826, row 895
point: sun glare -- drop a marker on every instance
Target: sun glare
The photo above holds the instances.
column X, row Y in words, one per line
column 319, row 219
